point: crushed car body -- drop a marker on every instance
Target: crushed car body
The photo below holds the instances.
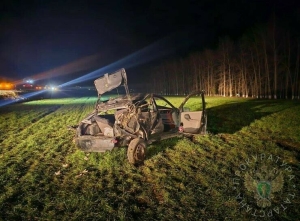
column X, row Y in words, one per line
column 135, row 120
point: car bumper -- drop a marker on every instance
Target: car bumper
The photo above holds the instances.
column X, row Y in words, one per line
column 89, row 143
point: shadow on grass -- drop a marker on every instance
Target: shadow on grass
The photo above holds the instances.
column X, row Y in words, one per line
column 232, row 117
column 161, row 146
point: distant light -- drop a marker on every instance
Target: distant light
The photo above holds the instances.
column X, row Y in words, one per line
column 29, row 81
column 6, row 86
column 51, row 88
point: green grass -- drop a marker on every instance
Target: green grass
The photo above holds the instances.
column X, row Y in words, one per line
column 44, row 177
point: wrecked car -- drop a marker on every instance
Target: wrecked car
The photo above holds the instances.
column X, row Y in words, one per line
column 135, row 120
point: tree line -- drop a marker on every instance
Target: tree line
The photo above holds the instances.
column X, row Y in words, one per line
column 264, row 63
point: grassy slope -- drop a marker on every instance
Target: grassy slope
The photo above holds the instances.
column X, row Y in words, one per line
column 44, row 177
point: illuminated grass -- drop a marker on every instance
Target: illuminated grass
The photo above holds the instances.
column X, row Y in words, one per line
column 44, row 177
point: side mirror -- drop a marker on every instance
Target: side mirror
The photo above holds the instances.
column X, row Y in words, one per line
column 187, row 117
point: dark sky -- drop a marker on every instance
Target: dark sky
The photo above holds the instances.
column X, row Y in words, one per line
column 38, row 36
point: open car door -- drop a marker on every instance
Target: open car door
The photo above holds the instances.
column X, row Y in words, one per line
column 193, row 122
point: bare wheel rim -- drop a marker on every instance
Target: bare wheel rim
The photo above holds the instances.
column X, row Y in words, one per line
column 139, row 152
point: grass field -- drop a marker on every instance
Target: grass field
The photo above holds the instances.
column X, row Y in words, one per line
column 44, row 177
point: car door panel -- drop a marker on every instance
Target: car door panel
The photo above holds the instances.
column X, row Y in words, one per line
column 191, row 121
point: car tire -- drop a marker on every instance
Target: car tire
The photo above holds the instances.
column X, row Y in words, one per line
column 136, row 151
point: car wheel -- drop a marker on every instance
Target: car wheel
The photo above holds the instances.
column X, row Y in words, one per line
column 136, row 151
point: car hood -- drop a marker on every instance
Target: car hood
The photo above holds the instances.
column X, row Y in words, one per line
column 110, row 81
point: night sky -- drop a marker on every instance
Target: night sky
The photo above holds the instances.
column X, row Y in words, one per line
column 40, row 36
